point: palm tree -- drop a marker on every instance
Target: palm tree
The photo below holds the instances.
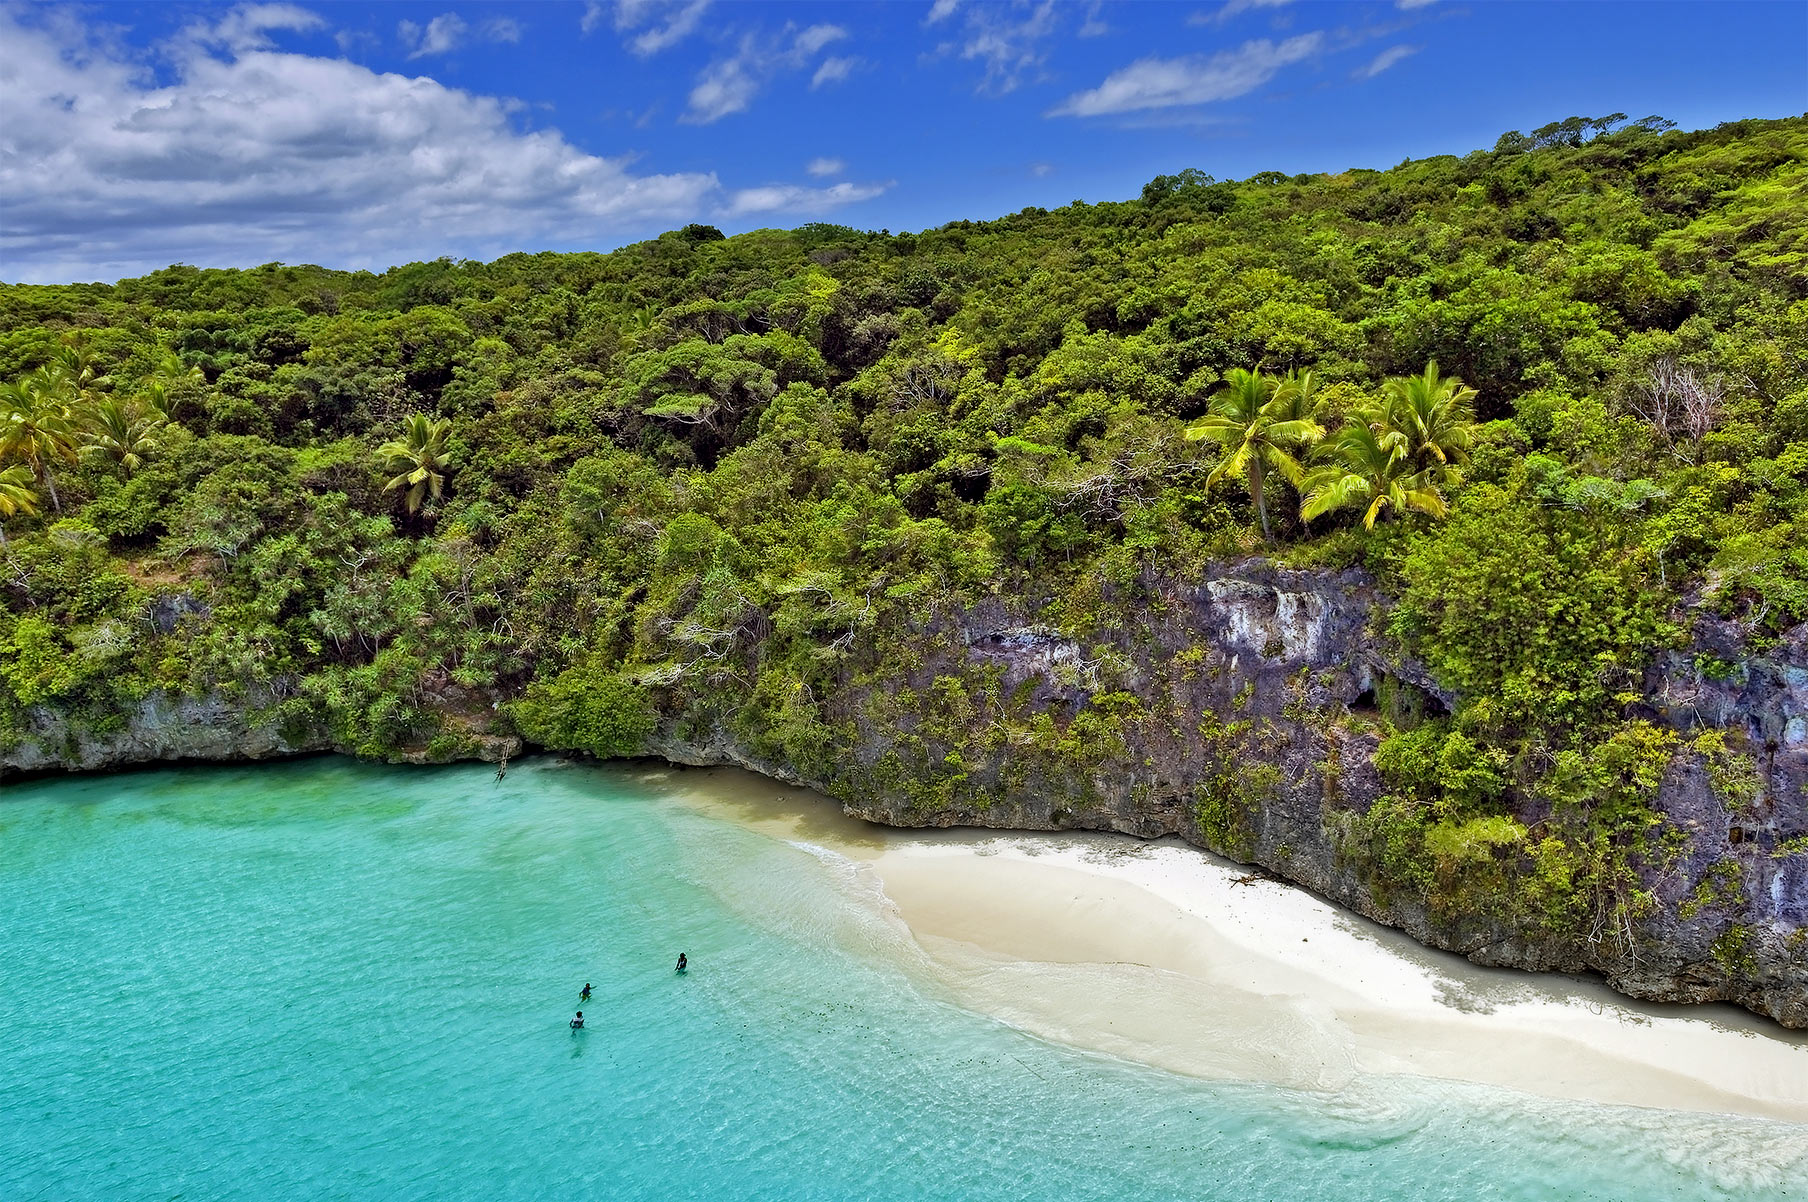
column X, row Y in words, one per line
column 1430, row 422
column 122, row 432
column 1366, row 468
column 166, row 377
column 1260, row 430
column 16, row 494
column 1296, row 397
column 170, row 369
column 37, row 427
column 1399, row 455
column 77, row 362
column 420, row 457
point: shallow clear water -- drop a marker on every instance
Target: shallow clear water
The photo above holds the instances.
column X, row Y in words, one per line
column 326, row 979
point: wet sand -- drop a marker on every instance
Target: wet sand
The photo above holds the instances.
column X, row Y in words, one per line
column 1158, row 953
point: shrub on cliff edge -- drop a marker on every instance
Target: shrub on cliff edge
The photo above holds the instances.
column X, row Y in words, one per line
column 587, row 708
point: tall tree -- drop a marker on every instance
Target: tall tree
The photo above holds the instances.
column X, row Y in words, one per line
column 122, row 431
column 420, row 458
column 1398, row 455
column 37, row 427
column 1260, row 431
column 1296, row 397
column 169, row 381
column 1364, row 470
column 1426, row 420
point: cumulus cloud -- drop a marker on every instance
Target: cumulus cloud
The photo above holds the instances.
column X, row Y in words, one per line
column 246, row 154
column 820, row 167
column 1158, row 83
column 1387, row 58
column 796, row 198
column 648, row 26
column 729, row 85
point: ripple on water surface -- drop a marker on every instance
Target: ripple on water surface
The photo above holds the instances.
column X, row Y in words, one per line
column 332, row 980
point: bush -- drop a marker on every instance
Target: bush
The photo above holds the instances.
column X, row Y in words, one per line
column 590, row 709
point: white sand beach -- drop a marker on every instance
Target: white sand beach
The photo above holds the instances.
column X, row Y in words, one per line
column 1160, row 953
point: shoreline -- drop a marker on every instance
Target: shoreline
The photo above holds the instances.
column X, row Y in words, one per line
column 1162, row 954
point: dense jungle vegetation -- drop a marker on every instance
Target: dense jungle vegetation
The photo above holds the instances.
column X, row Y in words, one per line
column 1546, row 393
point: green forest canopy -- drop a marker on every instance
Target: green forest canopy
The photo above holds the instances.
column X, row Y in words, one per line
column 669, row 463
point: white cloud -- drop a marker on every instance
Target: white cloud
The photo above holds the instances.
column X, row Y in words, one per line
column 1010, row 41
column 833, row 70
column 1411, row 4
column 1234, row 8
column 500, row 29
column 820, row 167
column 356, row 41
column 815, row 38
column 441, row 35
column 729, row 85
column 250, row 155
column 723, row 88
column 655, row 24
column 1387, row 58
column 247, row 27
column 795, row 198
column 1094, row 25
column 941, row 10
column 1157, row 83
column 447, row 32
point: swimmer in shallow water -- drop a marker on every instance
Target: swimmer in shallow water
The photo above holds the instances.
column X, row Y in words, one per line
column 577, row 1024
column 682, row 962
column 584, row 994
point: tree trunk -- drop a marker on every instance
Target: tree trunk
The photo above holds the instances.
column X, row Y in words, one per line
column 1255, row 494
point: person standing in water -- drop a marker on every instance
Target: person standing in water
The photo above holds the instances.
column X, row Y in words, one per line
column 577, row 1024
column 682, row 962
column 584, row 994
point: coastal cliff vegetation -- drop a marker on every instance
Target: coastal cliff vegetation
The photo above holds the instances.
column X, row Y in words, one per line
column 1551, row 397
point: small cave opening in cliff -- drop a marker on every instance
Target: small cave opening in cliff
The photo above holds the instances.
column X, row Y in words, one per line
column 1401, row 703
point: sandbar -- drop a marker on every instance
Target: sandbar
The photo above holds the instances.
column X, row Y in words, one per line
column 1157, row 952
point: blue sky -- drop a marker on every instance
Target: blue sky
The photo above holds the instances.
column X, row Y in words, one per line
column 365, row 135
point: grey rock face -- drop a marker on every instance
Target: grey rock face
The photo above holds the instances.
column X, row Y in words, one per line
column 163, row 727
column 166, row 727
column 1256, row 681
column 1743, row 872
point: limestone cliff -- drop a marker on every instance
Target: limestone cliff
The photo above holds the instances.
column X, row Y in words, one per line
column 1254, row 698
column 218, row 727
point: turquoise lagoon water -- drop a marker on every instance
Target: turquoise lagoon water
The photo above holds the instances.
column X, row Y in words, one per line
column 326, row 979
